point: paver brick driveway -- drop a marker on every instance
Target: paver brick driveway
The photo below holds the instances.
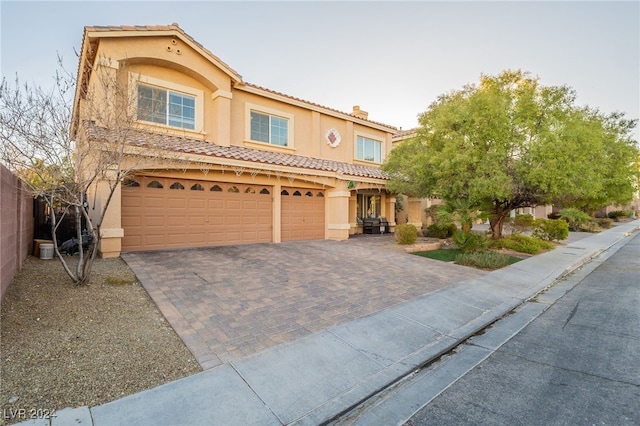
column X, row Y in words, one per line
column 231, row 301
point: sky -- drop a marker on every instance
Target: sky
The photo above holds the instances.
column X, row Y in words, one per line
column 393, row 59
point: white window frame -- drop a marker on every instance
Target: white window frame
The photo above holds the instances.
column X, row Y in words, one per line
column 373, row 138
column 249, row 108
column 169, row 86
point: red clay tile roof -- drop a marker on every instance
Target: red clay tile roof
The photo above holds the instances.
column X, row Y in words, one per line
column 405, row 134
column 194, row 146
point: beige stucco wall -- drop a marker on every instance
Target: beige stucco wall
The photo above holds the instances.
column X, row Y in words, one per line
column 223, row 106
column 224, row 114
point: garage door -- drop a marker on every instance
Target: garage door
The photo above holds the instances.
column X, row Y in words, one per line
column 176, row 213
column 302, row 214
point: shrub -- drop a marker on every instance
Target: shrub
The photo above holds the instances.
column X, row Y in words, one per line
column 440, row 230
column 470, row 241
column 496, row 244
column 591, row 226
column 604, row 222
column 486, row 260
column 576, row 218
column 525, row 244
column 617, row 214
column 521, row 223
column 406, row 233
column 432, row 212
column 551, row 230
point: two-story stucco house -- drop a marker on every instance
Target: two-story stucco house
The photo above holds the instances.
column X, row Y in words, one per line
column 257, row 165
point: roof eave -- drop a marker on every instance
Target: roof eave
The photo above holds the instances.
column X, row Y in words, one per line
column 281, row 97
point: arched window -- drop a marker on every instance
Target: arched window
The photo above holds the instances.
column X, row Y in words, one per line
column 233, row 189
column 249, row 190
column 320, row 194
column 216, row 188
column 297, row 194
column 284, row 192
column 197, row 187
column 308, row 194
column 154, row 184
column 176, row 185
column 130, row 183
column 265, row 191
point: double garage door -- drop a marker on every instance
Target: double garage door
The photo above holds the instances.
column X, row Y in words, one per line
column 162, row 213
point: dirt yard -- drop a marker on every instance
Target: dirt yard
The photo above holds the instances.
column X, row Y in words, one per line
column 69, row 346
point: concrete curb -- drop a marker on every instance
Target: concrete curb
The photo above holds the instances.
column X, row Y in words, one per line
column 399, row 402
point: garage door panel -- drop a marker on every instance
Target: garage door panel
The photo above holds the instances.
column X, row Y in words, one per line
column 233, row 221
column 214, row 237
column 264, row 236
column 176, row 220
column 264, row 221
column 217, row 204
column 249, row 221
column 197, row 240
column 131, row 201
column 234, row 236
column 150, row 221
column 302, row 216
column 155, row 218
column 176, row 203
column 233, row 204
column 154, row 240
column 198, row 221
column 197, row 204
column 153, row 201
column 131, row 221
column 132, row 240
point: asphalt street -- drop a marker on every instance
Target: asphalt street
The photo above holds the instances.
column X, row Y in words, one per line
column 575, row 364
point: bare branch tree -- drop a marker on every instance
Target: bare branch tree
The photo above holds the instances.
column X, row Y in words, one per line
column 66, row 158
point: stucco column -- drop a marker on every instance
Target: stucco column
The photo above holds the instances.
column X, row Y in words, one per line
column 277, row 213
column 353, row 213
column 337, row 214
column 415, row 212
column 389, row 211
column 222, row 113
column 111, row 228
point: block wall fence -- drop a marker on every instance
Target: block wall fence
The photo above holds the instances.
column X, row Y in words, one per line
column 16, row 226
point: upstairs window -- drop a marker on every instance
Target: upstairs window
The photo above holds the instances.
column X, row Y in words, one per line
column 166, row 107
column 368, row 149
column 269, row 129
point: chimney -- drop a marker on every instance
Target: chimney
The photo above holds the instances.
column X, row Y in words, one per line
column 357, row 112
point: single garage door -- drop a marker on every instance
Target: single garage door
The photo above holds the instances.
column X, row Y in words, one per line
column 162, row 213
column 302, row 214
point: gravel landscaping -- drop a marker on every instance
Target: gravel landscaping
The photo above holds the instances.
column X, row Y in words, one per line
column 69, row 346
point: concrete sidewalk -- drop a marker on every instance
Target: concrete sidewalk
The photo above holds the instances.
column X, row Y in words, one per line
column 316, row 378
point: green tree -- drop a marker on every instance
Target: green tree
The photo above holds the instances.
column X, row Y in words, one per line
column 510, row 142
column 459, row 210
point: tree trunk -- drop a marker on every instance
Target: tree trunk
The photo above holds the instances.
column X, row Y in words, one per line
column 496, row 221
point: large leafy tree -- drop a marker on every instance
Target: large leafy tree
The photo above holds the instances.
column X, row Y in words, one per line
column 511, row 142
